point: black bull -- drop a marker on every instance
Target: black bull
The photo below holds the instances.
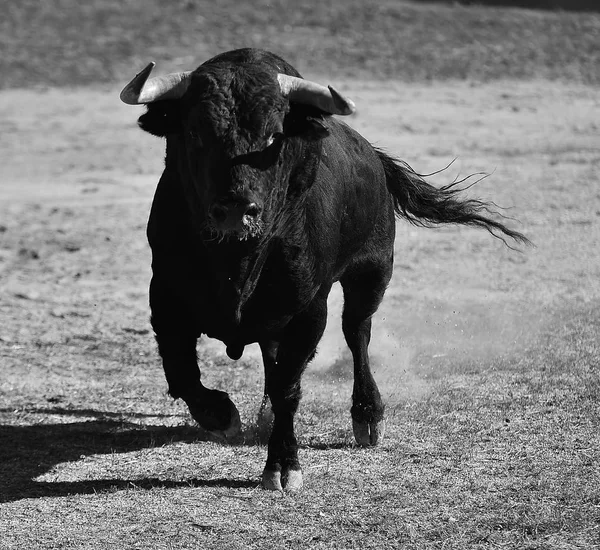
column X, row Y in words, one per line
column 265, row 201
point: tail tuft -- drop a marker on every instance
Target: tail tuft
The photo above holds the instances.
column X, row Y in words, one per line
column 424, row 205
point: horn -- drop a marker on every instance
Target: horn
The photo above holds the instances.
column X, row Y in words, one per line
column 310, row 93
column 141, row 90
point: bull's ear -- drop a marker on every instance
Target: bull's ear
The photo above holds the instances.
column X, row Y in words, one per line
column 161, row 119
column 305, row 122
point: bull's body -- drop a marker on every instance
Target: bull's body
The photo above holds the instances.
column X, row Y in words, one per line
column 248, row 235
column 241, row 292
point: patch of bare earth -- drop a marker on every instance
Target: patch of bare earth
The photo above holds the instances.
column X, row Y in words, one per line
column 488, row 358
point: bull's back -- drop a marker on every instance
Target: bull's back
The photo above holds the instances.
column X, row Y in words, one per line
column 351, row 196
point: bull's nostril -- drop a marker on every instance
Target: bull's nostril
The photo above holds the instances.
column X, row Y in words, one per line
column 218, row 213
column 252, row 210
column 231, row 213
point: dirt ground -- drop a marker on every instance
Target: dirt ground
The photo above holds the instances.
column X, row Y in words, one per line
column 76, row 183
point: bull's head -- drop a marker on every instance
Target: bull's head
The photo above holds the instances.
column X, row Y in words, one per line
column 237, row 132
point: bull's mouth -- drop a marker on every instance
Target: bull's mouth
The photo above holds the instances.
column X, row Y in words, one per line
column 241, row 229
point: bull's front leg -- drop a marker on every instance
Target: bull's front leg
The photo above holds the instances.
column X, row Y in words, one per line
column 176, row 334
column 297, row 347
column 269, row 349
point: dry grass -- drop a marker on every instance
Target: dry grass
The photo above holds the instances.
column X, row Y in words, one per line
column 499, row 454
column 488, row 359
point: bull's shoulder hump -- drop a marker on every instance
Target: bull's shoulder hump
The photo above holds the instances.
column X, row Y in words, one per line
column 346, row 146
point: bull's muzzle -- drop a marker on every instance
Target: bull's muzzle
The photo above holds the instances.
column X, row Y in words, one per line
column 236, row 215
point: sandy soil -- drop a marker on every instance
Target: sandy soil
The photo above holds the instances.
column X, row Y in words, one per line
column 77, row 178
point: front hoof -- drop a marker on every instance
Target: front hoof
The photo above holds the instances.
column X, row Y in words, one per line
column 368, row 434
column 216, row 413
column 271, row 480
column 275, row 480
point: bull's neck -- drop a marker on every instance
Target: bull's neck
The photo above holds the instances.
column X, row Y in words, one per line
column 237, row 266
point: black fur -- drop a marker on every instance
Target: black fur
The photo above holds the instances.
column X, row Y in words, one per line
column 161, row 119
column 327, row 202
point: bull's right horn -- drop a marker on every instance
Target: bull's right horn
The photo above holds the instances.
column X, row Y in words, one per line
column 141, row 90
column 327, row 99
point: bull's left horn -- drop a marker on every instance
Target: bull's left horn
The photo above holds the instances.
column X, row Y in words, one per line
column 141, row 90
column 327, row 99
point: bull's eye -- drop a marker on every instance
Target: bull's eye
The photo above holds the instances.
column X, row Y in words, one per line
column 274, row 138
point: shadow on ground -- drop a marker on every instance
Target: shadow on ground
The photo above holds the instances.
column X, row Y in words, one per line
column 26, row 452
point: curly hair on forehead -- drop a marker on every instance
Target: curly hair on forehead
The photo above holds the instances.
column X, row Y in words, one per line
column 237, row 99
column 257, row 91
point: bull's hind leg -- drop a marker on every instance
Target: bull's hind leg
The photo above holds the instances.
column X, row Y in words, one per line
column 363, row 292
column 176, row 337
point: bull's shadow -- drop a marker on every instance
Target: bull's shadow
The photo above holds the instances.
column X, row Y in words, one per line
column 26, row 452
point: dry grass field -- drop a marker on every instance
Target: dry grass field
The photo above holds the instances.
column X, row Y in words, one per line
column 488, row 358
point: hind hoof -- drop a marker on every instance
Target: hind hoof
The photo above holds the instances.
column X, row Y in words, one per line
column 368, row 434
column 292, row 481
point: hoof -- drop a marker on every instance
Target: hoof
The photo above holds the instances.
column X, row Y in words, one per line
column 216, row 413
column 292, row 481
column 271, row 480
column 234, row 428
column 274, row 480
column 368, row 434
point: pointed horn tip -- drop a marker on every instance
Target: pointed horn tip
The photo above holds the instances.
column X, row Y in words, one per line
column 145, row 72
column 346, row 106
column 130, row 94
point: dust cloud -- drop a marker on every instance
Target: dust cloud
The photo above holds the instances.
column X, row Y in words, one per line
column 417, row 341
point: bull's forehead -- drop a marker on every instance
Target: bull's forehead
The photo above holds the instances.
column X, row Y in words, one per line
column 235, row 101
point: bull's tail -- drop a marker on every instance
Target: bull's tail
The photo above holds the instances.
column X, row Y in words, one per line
column 425, row 205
